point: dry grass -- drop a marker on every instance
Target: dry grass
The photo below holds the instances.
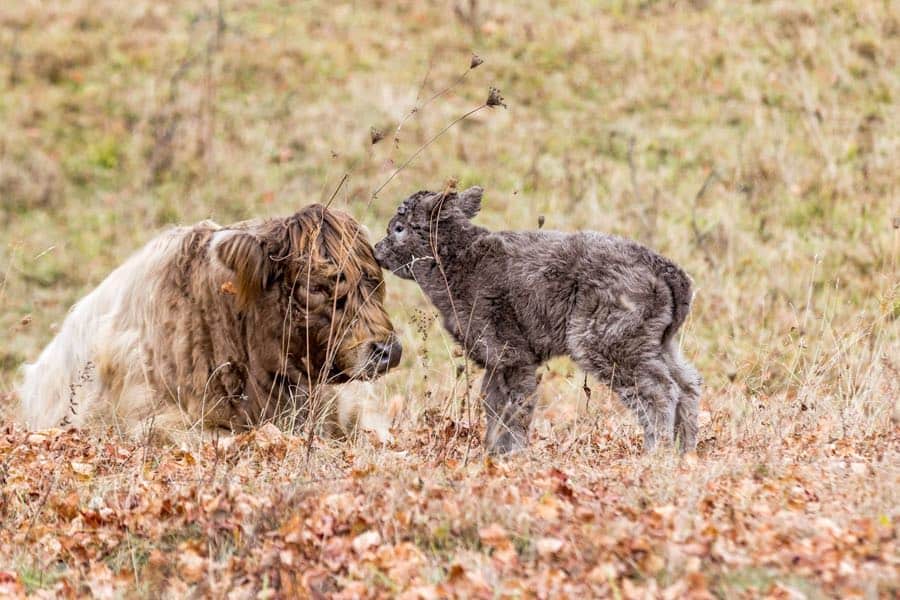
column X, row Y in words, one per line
column 756, row 144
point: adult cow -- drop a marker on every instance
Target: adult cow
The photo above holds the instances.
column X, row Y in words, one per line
column 211, row 327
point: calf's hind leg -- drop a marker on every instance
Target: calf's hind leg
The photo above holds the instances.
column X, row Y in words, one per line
column 689, row 383
column 652, row 395
column 649, row 391
column 509, row 405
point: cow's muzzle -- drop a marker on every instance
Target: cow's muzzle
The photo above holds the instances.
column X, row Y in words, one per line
column 384, row 356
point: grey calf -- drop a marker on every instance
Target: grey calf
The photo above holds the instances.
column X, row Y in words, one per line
column 515, row 299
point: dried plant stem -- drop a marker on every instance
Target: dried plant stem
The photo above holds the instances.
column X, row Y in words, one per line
column 416, row 107
column 455, row 83
column 422, row 148
column 632, row 169
column 492, row 101
column 700, row 236
column 337, row 189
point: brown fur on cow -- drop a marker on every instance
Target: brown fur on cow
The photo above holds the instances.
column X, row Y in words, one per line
column 218, row 327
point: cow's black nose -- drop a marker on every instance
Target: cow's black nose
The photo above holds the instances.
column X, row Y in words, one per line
column 386, row 355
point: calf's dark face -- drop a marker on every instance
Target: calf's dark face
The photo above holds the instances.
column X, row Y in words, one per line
column 406, row 241
column 412, row 231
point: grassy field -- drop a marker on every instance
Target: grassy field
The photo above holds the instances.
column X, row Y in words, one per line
column 756, row 144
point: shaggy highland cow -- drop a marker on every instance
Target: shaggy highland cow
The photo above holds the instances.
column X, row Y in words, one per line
column 214, row 327
column 515, row 299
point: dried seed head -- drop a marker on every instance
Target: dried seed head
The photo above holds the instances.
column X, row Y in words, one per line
column 450, row 184
column 476, row 60
column 540, row 221
column 376, row 135
column 494, row 98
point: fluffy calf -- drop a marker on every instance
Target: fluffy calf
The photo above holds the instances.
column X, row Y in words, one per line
column 515, row 299
column 218, row 327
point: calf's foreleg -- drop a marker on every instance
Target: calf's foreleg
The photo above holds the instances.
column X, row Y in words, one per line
column 509, row 401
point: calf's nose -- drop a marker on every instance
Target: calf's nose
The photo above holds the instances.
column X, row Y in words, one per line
column 379, row 252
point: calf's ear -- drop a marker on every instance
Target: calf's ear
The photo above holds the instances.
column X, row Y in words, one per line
column 247, row 256
column 470, row 201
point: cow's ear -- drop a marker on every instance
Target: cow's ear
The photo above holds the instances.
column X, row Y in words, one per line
column 469, row 201
column 247, row 257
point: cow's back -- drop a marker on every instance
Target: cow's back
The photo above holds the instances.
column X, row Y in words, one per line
column 95, row 355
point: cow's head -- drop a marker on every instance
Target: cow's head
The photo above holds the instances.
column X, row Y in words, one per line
column 310, row 295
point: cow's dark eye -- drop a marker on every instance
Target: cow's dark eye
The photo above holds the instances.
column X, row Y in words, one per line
column 399, row 228
column 340, row 303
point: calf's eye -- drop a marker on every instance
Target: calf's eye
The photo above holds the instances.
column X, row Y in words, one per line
column 399, row 228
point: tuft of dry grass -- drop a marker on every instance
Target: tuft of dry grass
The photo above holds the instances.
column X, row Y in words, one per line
column 754, row 143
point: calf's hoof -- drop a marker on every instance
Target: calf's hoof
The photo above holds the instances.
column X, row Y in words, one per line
column 506, row 442
column 656, row 446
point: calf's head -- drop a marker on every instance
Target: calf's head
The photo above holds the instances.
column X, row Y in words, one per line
column 423, row 222
column 310, row 295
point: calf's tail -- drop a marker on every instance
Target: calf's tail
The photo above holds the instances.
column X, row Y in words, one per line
column 680, row 285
